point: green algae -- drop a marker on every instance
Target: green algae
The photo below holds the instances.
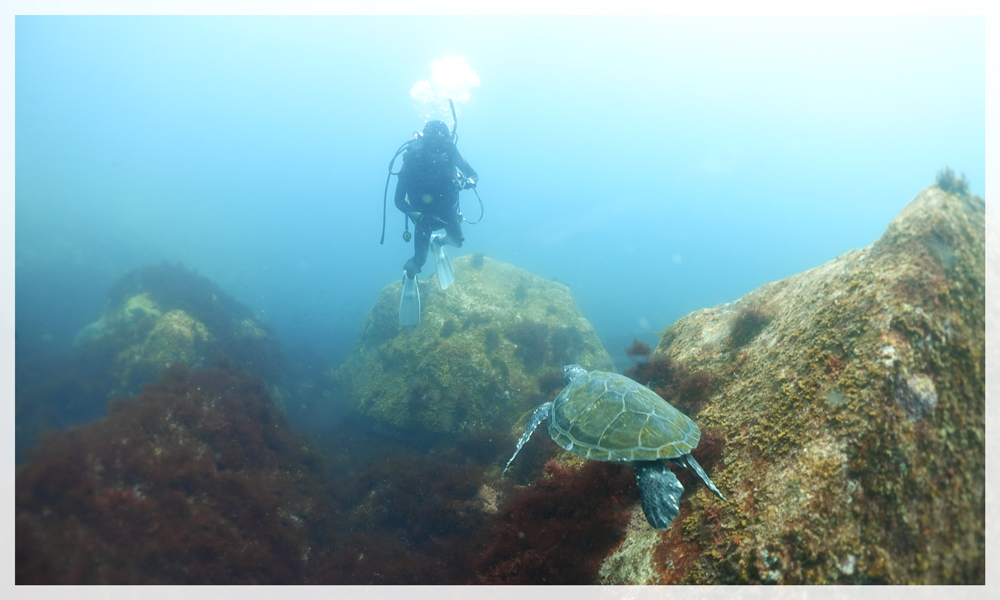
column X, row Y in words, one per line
column 138, row 306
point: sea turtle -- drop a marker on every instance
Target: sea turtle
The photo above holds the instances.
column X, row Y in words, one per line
column 606, row 416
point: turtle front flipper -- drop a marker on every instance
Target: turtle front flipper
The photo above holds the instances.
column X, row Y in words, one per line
column 659, row 490
column 693, row 464
column 541, row 413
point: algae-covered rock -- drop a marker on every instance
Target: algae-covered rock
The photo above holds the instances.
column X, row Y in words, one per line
column 144, row 339
column 477, row 357
column 851, row 398
column 157, row 316
column 151, row 340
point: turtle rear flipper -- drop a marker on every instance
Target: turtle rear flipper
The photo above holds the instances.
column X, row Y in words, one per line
column 659, row 490
column 541, row 413
column 691, row 462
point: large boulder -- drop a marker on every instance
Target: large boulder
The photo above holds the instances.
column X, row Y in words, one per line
column 488, row 349
column 851, row 401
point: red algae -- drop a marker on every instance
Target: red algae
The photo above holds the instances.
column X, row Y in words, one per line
column 558, row 529
column 197, row 480
column 638, row 351
column 674, row 557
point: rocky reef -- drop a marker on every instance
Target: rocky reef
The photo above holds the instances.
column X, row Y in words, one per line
column 850, row 401
column 199, row 479
column 155, row 317
column 202, row 479
column 487, row 350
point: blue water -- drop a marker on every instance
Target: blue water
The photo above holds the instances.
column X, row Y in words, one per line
column 654, row 165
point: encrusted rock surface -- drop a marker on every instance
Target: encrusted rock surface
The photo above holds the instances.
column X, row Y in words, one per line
column 852, row 402
column 475, row 360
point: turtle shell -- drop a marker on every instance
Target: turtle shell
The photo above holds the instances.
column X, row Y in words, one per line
column 606, row 416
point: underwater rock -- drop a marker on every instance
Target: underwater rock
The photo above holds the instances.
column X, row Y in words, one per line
column 853, row 419
column 475, row 360
column 162, row 315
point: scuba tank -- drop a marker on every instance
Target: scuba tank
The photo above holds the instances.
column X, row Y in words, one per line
column 407, row 145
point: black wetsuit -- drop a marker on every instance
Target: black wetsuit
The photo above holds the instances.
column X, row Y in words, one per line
column 428, row 191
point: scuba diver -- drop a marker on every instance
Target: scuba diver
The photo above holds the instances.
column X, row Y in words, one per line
column 432, row 175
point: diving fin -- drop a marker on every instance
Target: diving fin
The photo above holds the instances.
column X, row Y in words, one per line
column 446, row 276
column 409, row 302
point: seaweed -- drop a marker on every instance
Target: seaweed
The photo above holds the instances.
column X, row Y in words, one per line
column 475, row 319
column 659, row 372
column 567, row 344
column 559, row 529
column 449, row 327
column 197, row 480
column 425, row 508
column 748, row 323
column 532, row 343
column 947, row 181
column 638, row 351
column 200, row 480
column 501, row 367
column 694, row 391
column 491, row 340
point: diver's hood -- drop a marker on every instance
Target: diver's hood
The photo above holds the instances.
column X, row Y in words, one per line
column 435, row 129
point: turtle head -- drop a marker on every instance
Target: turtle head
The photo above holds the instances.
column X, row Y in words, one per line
column 571, row 372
